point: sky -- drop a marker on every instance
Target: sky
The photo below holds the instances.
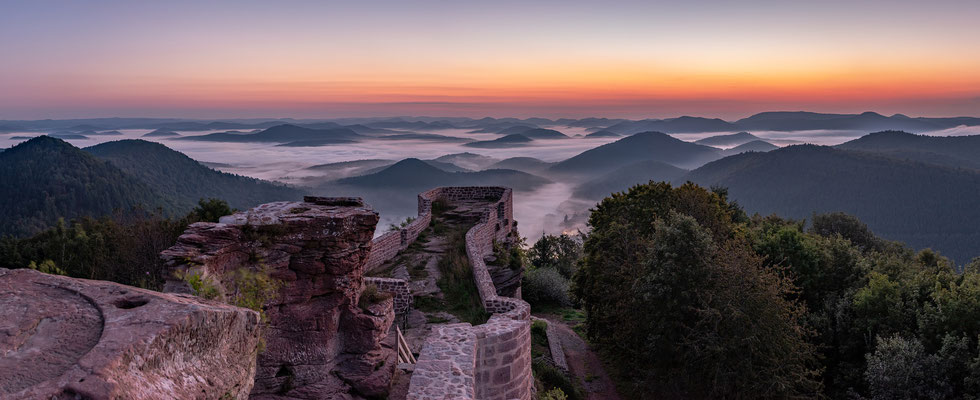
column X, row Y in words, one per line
column 633, row 59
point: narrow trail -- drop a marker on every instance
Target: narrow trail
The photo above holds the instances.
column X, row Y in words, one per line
column 583, row 362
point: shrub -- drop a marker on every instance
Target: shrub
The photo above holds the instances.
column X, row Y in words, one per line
column 47, row 267
column 553, row 378
column 202, row 286
column 371, row 295
column 512, row 256
column 553, row 394
column 401, row 225
column 252, row 289
column 211, row 210
column 545, row 286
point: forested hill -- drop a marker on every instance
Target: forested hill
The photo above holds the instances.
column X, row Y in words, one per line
column 952, row 151
column 185, row 180
column 645, row 146
column 44, row 179
column 920, row 204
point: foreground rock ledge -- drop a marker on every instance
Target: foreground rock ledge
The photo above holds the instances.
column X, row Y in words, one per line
column 66, row 338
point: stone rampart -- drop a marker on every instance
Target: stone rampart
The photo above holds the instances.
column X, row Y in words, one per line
column 399, row 289
column 388, row 245
column 489, row 361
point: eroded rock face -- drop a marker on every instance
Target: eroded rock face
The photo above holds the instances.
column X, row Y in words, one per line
column 71, row 338
column 319, row 343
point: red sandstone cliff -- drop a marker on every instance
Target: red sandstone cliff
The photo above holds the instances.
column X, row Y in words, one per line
column 319, row 342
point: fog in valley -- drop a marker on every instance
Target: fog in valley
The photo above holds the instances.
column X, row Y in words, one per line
column 548, row 208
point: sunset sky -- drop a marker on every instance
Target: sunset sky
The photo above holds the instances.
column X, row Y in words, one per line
column 638, row 59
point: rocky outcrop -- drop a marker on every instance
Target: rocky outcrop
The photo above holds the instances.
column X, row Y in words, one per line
column 66, row 338
column 320, row 342
column 506, row 280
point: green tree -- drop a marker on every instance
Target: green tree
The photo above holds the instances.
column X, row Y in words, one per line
column 676, row 299
column 848, row 227
column 561, row 252
column 900, row 368
column 211, row 210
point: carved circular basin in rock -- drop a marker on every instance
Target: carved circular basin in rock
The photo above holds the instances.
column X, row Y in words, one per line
column 44, row 331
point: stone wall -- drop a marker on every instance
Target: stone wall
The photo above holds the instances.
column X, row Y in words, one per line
column 399, row 289
column 67, row 338
column 388, row 245
column 554, row 345
column 320, row 342
column 489, row 361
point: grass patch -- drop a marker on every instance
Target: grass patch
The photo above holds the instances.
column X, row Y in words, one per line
column 371, row 296
column 539, row 340
column 435, row 319
column 428, row 304
column 551, row 377
column 461, row 296
column 418, row 271
column 573, row 315
column 580, row 331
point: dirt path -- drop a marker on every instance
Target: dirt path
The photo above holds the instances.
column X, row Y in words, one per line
column 583, row 362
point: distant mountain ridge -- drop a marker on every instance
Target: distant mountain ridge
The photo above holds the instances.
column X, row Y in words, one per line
column 623, row 178
column 764, row 121
column 755, row 145
column 734, row 139
column 951, row 151
column 515, row 140
column 184, row 180
column 45, row 178
column 645, row 146
column 541, row 133
column 921, row 204
column 415, row 174
column 792, row 121
column 286, row 133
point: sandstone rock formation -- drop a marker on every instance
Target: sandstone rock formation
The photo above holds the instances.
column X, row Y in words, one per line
column 66, row 338
column 320, row 342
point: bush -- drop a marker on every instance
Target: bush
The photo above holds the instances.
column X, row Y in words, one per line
column 47, row 267
column 202, row 286
column 545, row 286
column 401, row 225
column 553, row 378
column 211, row 210
column 252, row 289
column 553, row 394
column 371, row 295
column 512, row 256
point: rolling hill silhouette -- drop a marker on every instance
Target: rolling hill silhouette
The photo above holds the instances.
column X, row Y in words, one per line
column 646, row 146
column 515, row 140
column 952, row 151
column 921, row 204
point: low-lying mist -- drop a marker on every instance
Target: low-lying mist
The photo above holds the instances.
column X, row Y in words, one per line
column 547, row 209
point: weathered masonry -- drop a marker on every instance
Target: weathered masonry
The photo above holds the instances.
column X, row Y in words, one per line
column 460, row 361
